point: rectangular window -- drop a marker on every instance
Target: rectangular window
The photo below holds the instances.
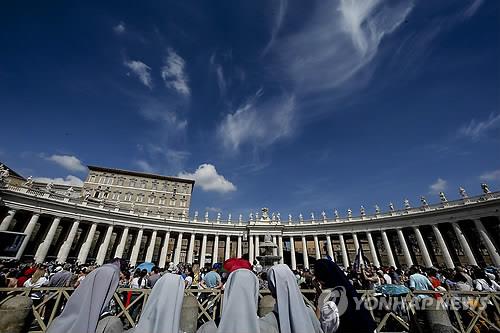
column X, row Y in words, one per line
column 143, row 184
column 128, row 197
column 114, row 196
column 102, row 180
column 162, row 201
column 151, row 200
column 154, row 186
column 172, row 202
column 92, row 179
column 132, row 183
column 110, row 180
column 105, row 195
column 139, row 198
column 120, row 182
column 183, row 203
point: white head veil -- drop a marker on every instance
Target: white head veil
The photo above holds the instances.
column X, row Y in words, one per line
column 88, row 301
column 162, row 312
column 241, row 295
column 294, row 316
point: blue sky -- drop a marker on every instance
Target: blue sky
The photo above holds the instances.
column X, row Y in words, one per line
column 297, row 106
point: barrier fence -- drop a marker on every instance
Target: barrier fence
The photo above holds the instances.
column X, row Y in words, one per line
column 467, row 311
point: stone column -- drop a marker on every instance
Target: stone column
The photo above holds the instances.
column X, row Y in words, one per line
column 164, row 250
column 495, row 257
column 123, row 242
column 84, row 251
column 292, row 252
column 43, row 248
column 203, row 250
column 275, row 250
column 257, row 246
column 4, row 226
column 356, row 243
column 103, row 249
column 444, row 249
column 388, row 250
column 280, row 249
column 251, row 249
column 227, row 253
column 191, row 249
column 464, row 244
column 28, row 231
column 423, row 249
column 373, row 251
column 151, row 247
column 345, row 258
column 215, row 254
column 239, row 249
column 62, row 255
column 178, row 249
column 136, row 248
column 329, row 247
column 316, row 248
column 305, row 256
column 404, row 247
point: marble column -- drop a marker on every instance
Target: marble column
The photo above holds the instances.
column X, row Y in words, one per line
column 84, row 251
column 280, row 249
column 275, row 250
column 404, row 247
column 329, row 247
column 43, row 248
column 492, row 250
column 215, row 254
column 317, row 251
column 203, row 250
column 239, row 249
column 62, row 255
column 136, row 248
column 388, row 250
column 423, row 248
column 464, row 244
column 103, row 249
column 345, row 257
column 356, row 243
column 305, row 256
column 28, row 231
column 178, row 249
column 257, row 246
column 191, row 248
column 251, row 249
column 373, row 251
column 123, row 242
column 227, row 253
column 151, row 248
column 164, row 250
column 292, row 253
column 4, row 226
column 444, row 249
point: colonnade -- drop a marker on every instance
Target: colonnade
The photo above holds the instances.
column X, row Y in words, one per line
column 398, row 246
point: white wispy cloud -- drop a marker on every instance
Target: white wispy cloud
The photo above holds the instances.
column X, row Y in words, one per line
column 145, row 166
column 491, row 175
column 339, row 40
column 169, row 119
column 472, row 9
column 71, row 163
column 207, row 177
column 259, row 124
column 278, row 21
column 141, row 70
column 173, row 73
column 119, row 28
column 439, row 185
column 477, row 129
column 69, row 180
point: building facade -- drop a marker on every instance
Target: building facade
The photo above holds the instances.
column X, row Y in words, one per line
column 94, row 227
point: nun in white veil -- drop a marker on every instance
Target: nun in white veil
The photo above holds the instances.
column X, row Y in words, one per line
column 290, row 314
column 239, row 313
column 85, row 306
column 162, row 312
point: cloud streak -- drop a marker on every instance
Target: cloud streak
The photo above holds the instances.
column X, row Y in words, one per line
column 258, row 124
column 490, row 175
column 70, row 180
column 439, row 186
column 475, row 130
column 174, row 75
column 141, row 70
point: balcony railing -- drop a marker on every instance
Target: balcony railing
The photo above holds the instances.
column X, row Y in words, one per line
column 467, row 311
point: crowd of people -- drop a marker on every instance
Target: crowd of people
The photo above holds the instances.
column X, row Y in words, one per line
column 241, row 281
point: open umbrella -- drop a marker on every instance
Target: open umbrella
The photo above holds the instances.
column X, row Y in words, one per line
column 147, row 266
